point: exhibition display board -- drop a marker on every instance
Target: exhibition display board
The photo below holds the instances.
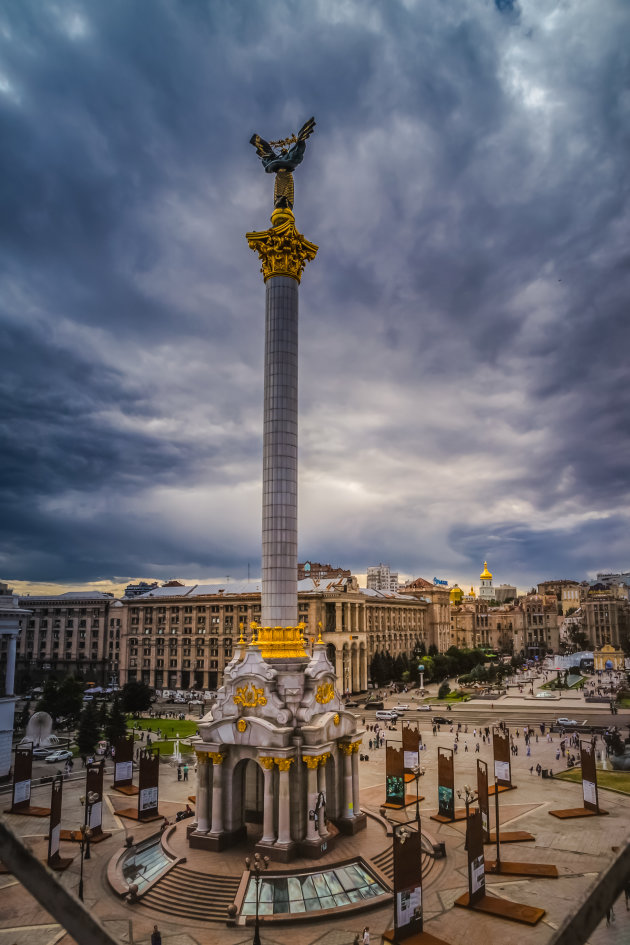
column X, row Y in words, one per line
column 54, row 860
column 502, row 767
column 21, row 791
column 446, row 789
column 590, row 796
column 123, row 765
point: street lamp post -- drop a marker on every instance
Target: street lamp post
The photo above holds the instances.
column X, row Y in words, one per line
column 257, row 866
column 88, row 801
column 421, row 672
column 417, row 772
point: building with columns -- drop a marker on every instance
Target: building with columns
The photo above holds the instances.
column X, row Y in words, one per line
column 11, row 619
column 184, row 637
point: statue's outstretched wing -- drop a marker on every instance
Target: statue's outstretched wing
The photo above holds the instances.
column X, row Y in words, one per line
column 263, row 148
column 306, row 130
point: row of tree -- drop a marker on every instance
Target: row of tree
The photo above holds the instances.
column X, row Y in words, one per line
column 64, row 700
column 478, row 664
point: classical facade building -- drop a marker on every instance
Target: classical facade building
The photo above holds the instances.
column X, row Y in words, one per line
column 184, row 637
column 68, row 634
column 439, row 616
column 12, row 618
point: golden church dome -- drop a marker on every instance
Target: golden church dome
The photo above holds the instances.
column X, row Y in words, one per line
column 485, row 574
column 456, row 595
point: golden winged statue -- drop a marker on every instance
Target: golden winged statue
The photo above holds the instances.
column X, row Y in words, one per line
column 283, row 161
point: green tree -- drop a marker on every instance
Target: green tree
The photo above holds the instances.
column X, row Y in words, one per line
column 444, row 690
column 89, row 732
column 116, row 724
column 136, row 696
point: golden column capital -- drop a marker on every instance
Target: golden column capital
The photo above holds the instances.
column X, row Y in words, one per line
column 281, row 249
column 284, row 763
column 311, row 761
column 202, row 758
column 216, row 757
column 267, row 762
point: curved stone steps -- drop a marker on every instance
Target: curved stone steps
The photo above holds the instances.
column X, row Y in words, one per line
column 385, row 863
column 193, row 895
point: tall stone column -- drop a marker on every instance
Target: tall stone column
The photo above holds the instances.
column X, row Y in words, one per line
column 217, row 792
column 269, row 831
column 312, row 763
column 283, row 253
column 202, row 804
column 284, row 801
column 348, row 795
column 355, row 779
column 321, row 786
column 9, row 678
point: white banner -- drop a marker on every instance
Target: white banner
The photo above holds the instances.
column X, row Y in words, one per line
column 589, row 792
column 408, row 905
column 148, row 798
column 96, row 815
column 22, row 791
column 124, row 771
column 411, row 759
column 478, row 874
column 54, row 839
column 502, row 770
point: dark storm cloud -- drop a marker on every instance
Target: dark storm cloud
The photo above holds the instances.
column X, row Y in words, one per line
column 463, row 328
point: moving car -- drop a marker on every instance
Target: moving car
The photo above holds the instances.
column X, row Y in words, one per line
column 41, row 752
column 424, row 708
column 440, row 720
column 403, row 707
column 387, row 715
column 351, row 705
column 563, row 721
column 62, row 754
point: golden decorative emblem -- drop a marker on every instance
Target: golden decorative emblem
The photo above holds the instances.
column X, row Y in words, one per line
column 267, row 762
column 311, row 761
column 202, row 758
column 284, row 763
column 241, row 725
column 336, row 718
column 325, row 693
column 249, row 697
column 216, row 757
column 282, row 250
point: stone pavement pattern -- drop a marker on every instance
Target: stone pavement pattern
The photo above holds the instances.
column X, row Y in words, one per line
column 580, row 849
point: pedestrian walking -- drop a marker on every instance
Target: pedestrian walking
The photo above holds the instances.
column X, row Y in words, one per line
column 366, row 935
column 179, row 772
column 185, row 772
column 156, row 936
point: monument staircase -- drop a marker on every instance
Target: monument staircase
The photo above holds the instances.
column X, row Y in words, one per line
column 384, row 861
column 193, row 895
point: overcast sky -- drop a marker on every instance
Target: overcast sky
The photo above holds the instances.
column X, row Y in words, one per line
column 463, row 331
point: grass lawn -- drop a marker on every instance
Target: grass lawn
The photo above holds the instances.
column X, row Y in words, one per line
column 615, row 780
column 452, row 697
column 170, row 728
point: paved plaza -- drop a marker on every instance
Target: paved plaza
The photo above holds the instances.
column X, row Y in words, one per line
column 580, row 849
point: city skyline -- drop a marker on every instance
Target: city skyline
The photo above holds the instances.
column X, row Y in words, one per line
column 463, row 329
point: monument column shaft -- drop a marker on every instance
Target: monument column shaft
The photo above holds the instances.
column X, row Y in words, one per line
column 311, row 830
column 203, row 785
column 269, row 834
column 284, row 812
column 280, row 435
column 321, row 786
column 217, row 799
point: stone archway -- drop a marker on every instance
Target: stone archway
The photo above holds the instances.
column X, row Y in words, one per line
column 245, row 806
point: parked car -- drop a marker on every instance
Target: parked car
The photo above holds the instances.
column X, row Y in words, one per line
column 440, row 720
column 563, row 721
column 350, row 704
column 41, row 752
column 62, row 754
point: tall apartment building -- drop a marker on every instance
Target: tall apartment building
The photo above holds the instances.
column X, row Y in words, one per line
column 606, row 620
column 504, row 593
column 67, row 634
column 183, row 637
column 381, row 578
